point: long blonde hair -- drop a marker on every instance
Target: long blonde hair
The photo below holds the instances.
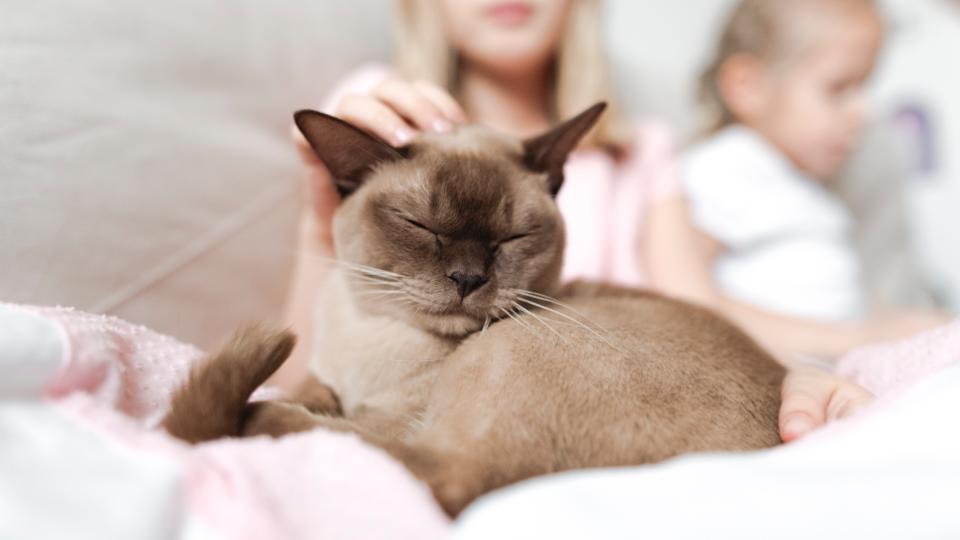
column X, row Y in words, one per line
column 581, row 74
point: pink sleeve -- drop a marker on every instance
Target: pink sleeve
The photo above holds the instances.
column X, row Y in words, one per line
column 359, row 81
column 653, row 161
column 647, row 177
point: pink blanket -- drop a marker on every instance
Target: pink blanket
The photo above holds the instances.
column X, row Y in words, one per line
column 889, row 369
column 116, row 379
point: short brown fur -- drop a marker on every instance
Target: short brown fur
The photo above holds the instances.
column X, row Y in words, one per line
column 473, row 388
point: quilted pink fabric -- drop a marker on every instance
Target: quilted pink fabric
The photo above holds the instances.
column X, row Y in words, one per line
column 117, row 379
column 887, row 369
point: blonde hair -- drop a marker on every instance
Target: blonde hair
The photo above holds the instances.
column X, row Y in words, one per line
column 757, row 28
column 581, row 74
column 751, row 29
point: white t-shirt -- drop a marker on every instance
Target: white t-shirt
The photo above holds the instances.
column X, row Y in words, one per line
column 787, row 238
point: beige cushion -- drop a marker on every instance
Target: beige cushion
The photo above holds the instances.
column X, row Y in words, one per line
column 144, row 155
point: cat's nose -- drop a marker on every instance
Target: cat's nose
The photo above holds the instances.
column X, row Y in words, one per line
column 467, row 283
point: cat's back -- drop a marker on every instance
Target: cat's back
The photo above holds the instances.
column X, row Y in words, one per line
column 613, row 376
column 652, row 325
column 598, row 325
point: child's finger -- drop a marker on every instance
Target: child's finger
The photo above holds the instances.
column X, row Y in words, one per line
column 369, row 113
column 442, row 100
column 846, row 400
column 410, row 103
column 806, row 394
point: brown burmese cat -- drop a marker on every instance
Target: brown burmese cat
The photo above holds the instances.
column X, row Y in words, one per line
column 443, row 336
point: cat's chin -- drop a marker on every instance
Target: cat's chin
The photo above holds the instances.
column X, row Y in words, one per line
column 449, row 325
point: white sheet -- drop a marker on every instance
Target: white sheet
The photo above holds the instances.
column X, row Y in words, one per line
column 31, row 348
column 892, row 475
column 104, row 490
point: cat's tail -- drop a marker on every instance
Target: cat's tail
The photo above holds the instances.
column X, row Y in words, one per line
column 212, row 403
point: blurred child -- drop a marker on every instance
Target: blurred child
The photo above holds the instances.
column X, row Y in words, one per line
column 787, row 88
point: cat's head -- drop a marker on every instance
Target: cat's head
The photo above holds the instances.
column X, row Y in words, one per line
column 451, row 231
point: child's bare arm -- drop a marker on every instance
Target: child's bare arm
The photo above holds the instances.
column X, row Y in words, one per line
column 681, row 259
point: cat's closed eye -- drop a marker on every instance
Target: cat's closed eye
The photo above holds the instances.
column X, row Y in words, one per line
column 412, row 222
column 495, row 246
column 527, row 232
column 418, row 225
column 513, row 238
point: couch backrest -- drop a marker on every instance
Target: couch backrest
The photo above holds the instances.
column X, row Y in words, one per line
column 145, row 167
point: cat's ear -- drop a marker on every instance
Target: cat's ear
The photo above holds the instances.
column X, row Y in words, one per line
column 548, row 152
column 348, row 152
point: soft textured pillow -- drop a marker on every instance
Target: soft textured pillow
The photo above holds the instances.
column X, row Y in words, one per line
column 145, row 164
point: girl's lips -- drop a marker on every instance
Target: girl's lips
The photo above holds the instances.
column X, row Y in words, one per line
column 510, row 13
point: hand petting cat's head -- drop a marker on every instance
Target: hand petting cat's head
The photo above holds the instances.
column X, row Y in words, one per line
column 448, row 232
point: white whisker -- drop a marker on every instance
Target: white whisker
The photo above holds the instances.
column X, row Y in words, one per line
column 579, row 323
column 551, row 300
column 371, row 279
column 520, row 322
column 367, row 269
column 350, row 273
column 544, row 323
column 380, row 292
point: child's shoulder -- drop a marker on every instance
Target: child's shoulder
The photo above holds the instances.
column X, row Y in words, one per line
column 734, row 148
column 736, row 160
column 741, row 188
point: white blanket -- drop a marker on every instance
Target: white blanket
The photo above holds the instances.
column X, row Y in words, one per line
column 892, row 473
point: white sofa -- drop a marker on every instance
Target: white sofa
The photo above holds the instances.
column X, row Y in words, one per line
column 145, row 164
column 145, row 169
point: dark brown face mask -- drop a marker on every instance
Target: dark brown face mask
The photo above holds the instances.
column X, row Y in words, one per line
column 464, row 221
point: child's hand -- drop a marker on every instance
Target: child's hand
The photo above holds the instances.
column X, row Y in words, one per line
column 395, row 109
column 813, row 397
column 315, row 236
column 392, row 111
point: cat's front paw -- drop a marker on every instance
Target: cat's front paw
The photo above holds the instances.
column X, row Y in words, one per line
column 276, row 419
column 318, row 398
